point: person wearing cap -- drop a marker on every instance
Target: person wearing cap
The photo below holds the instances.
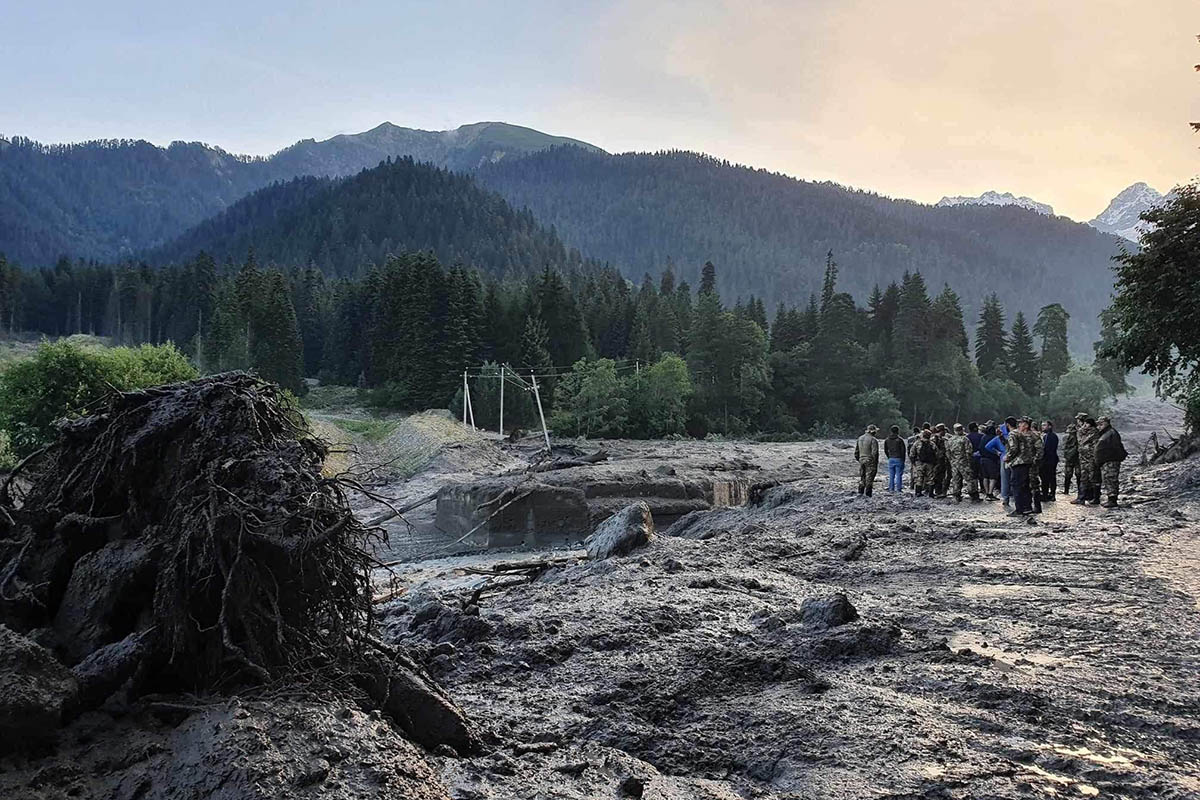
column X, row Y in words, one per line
column 894, row 450
column 1021, row 456
column 1049, row 469
column 924, row 458
column 866, row 453
column 1071, row 453
column 941, row 470
column 958, row 452
column 1035, row 470
column 1089, row 492
column 1110, row 452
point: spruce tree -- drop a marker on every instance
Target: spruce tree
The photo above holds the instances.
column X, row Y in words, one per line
column 1051, row 328
column 708, row 279
column 1106, row 365
column 991, row 341
column 278, row 353
column 1022, row 357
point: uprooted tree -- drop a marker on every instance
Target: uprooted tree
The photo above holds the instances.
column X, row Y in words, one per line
column 183, row 539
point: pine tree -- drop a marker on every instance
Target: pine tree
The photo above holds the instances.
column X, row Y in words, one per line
column 830, row 281
column 947, row 320
column 278, row 353
column 1022, row 358
column 1105, row 365
column 1051, row 328
column 991, row 341
column 708, row 279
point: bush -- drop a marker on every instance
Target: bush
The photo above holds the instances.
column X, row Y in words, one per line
column 878, row 406
column 1078, row 390
column 63, row 379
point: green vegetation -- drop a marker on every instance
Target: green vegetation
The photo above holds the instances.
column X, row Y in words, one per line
column 371, row 430
column 1154, row 321
column 63, row 379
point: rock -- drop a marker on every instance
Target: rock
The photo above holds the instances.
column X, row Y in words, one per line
column 623, row 532
column 103, row 672
column 36, row 690
column 827, row 612
column 633, row 786
column 105, row 591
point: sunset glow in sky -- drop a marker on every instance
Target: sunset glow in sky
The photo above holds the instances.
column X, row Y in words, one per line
column 1067, row 101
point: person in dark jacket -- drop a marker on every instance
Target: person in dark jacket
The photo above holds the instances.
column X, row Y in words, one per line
column 989, row 462
column 924, row 459
column 895, row 449
column 1110, row 452
column 1049, row 468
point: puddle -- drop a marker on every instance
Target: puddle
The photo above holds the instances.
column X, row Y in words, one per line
column 1004, row 656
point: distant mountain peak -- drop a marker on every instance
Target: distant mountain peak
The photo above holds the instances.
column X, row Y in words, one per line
column 1123, row 214
column 991, row 198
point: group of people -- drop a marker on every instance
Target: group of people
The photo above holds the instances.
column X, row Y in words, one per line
column 1014, row 461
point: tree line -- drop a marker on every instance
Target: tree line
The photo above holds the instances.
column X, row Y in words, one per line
column 406, row 331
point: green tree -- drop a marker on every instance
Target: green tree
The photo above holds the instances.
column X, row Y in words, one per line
column 1055, row 359
column 991, row 341
column 1022, row 358
column 590, row 401
column 1106, row 365
column 278, row 353
column 658, row 398
column 1155, row 316
column 1077, row 390
column 878, row 406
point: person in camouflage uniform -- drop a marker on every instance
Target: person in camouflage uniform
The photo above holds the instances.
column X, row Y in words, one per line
column 962, row 467
column 1035, row 472
column 866, row 453
column 941, row 470
column 1071, row 452
column 1088, row 490
column 1110, row 452
column 1021, row 458
column 924, row 459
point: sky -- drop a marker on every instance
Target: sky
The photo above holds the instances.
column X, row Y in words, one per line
column 1067, row 101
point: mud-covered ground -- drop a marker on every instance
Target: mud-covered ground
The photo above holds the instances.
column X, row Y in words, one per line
column 816, row 644
column 989, row 657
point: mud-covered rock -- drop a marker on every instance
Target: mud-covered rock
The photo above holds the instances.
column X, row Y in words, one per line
column 106, row 591
column 827, row 612
column 36, row 689
column 623, row 532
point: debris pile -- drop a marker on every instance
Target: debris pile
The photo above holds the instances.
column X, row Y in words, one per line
column 183, row 539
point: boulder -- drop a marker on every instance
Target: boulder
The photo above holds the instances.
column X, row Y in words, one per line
column 628, row 529
column 36, row 689
column 827, row 612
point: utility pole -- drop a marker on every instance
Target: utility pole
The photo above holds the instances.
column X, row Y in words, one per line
column 464, row 398
column 538, row 396
column 501, row 401
column 470, row 407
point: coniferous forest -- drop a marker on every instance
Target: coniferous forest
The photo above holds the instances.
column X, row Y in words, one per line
column 405, row 332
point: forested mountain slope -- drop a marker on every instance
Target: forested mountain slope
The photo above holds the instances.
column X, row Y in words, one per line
column 345, row 225
column 110, row 199
column 769, row 233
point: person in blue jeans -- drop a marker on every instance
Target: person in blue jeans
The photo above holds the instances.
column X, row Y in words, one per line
column 998, row 446
column 894, row 449
column 1006, row 487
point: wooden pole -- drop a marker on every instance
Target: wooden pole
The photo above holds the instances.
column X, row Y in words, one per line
column 502, row 401
column 470, row 407
column 538, row 396
column 464, row 398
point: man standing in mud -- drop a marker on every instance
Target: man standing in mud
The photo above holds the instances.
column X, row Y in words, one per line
column 958, row 452
column 1086, row 437
column 1035, row 471
column 1020, row 458
column 1110, row 452
column 866, row 453
column 1071, row 453
column 941, row 470
column 1048, row 471
column 895, row 451
column 924, row 459
column 910, row 446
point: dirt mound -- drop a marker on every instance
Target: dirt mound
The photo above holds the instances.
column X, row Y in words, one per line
column 183, row 539
column 435, row 441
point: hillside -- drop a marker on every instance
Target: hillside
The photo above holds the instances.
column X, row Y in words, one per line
column 769, row 234
column 343, row 225
column 111, row 199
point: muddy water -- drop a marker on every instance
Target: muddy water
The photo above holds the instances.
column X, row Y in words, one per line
column 992, row 657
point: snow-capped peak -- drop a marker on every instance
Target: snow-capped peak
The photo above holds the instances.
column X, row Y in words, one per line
column 1122, row 216
column 999, row 199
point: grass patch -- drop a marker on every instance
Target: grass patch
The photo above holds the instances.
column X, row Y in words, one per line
column 371, row 430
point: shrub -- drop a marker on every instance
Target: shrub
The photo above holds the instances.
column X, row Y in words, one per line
column 63, row 379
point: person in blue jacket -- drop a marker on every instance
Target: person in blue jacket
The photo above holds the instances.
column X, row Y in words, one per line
column 998, row 447
column 1049, row 469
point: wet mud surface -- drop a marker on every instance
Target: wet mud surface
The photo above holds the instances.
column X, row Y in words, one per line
column 984, row 656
